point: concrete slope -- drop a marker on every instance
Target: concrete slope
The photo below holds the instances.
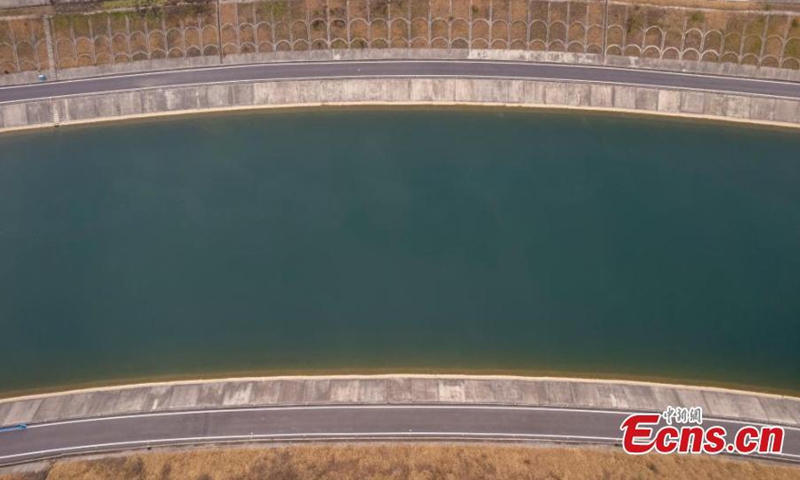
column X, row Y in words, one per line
column 365, row 407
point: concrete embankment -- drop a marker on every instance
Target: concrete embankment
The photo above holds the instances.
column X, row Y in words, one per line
column 399, row 389
column 398, row 91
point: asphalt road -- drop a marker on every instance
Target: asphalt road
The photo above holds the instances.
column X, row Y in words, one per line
column 455, row 68
column 281, row 424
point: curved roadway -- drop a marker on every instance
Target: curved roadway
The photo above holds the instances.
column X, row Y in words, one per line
column 354, row 422
column 405, row 68
column 347, row 422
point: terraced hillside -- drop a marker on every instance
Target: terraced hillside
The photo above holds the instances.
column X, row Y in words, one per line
column 100, row 34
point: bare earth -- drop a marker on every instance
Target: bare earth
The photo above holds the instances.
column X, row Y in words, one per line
column 407, row 461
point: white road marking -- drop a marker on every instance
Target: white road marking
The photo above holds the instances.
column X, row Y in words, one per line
column 330, row 436
column 134, row 416
column 366, row 77
column 326, row 407
column 336, row 436
column 655, row 73
column 411, row 61
column 306, row 435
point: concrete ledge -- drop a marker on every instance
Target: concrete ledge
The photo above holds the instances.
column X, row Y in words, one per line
column 21, row 78
column 399, row 389
column 399, row 91
column 23, row 3
column 709, row 68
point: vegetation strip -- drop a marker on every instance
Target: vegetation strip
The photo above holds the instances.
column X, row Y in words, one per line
column 408, row 461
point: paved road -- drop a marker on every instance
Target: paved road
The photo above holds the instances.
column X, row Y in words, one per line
column 328, row 423
column 466, row 68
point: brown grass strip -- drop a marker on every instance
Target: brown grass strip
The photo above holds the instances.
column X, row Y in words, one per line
column 407, row 461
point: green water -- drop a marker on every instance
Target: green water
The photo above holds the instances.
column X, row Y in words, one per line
column 399, row 241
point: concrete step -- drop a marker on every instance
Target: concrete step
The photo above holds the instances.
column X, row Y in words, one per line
column 51, row 57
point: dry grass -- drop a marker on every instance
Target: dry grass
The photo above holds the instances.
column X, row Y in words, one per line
column 407, row 461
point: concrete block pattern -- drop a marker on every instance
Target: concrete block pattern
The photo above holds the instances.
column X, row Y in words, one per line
column 599, row 395
column 275, row 93
column 107, row 106
column 555, row 94
column 51, row 407
column 398, row 390
column 184, row 397
column 762, row 108
column 397, row 90
column 39, row 112
column 82, row 108
column 647, row 99
column 130, row 103
column 451, row 391
column 5, row 408
column 558, row 393
column 602, row 96
column 511, row 392
column 715, row 104
column 533, row 93
column 308, row 92
column 625, row 97
column 794, row 407
column 779, row 410
column 356, row 91
column 132, row 400
column 693, row 102
column 318, row 392
column 669, row 101
column 158, row 398
column 237, row 394
column 344, row 391
column 636, row 397
column 432, row 89
column 266, row 393
column 330, row 91
column 479, row 391
column 527, row 392
column 372, row 391
column 291, row 392
column 578, row 94
column 77, row 406
column 220, row 96
column 723, row 404
column 424, row 390
column 691, row 397
column 22, row 412
column 737, row 106
column 211, row 394
column 243, row 94
column 15, row 115
column 154, row 101
column 786, row 111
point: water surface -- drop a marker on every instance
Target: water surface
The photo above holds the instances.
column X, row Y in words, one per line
column 322, row 241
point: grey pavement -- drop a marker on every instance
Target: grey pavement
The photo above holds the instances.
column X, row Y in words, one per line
column 355, row 422
column 417, row 68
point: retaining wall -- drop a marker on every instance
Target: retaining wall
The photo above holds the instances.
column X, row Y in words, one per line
column 398, row 389
column 410, row 91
